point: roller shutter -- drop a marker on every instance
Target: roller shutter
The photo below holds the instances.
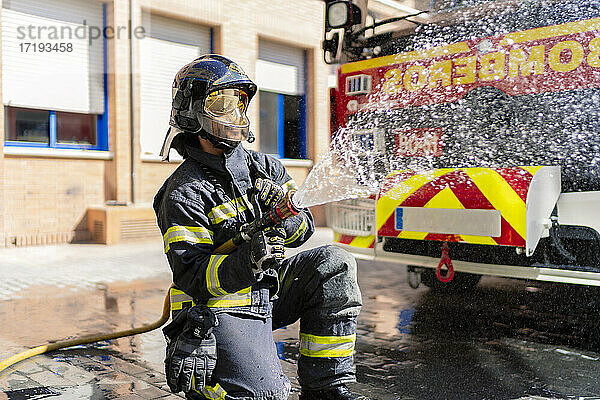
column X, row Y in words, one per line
column 70, row 79
column 280, row 68
column 169, row 45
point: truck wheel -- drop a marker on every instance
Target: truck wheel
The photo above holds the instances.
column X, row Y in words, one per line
column 461, row 282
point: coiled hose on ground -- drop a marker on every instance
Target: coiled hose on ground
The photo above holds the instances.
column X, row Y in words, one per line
column 90, row 338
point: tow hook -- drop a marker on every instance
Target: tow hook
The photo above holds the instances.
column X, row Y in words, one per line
column 414, row 276
column 445, row 262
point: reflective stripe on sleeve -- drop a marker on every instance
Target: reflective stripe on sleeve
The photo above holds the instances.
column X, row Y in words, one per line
column 229, row 209
column 326, row 346
column 237, row 299
column 298, row 233
column 178, row 298
column 212, row 275
column 191, row 234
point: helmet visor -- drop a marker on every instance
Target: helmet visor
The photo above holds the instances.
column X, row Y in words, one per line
column 227, row 106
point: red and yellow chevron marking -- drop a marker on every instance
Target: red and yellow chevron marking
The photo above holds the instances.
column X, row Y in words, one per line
column 502, row 189
column 365, row 242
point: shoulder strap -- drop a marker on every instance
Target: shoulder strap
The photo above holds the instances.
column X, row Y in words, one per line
column 256, row 170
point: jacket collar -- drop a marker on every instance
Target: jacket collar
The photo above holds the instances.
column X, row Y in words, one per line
column 235, row 163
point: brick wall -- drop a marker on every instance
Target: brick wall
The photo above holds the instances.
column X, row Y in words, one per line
column 46, row 199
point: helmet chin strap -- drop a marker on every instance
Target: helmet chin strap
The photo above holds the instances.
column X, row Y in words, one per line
column 227, row 145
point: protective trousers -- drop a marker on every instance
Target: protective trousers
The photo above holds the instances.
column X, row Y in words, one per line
column 319, row 287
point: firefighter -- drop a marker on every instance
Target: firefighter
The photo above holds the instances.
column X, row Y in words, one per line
column 220, row 343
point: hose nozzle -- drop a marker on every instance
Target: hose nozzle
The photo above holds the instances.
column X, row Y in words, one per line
column 282, row 211
column 285, row 208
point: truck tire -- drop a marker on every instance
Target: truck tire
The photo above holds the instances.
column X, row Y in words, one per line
column 461, row 282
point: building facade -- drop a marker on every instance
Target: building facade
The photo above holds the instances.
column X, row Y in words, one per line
column 81, row 134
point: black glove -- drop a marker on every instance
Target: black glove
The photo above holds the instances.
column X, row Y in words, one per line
column 269, row 193
column 192, row 356
column 275, row 242
column 266, row 249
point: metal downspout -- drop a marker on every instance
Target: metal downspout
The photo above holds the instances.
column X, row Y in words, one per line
column 132, row 123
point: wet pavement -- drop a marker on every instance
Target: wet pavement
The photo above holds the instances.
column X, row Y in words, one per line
column 506, row 339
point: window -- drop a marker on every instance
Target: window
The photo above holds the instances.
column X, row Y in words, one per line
column 75, row 128
column 39, row 88
column 55, row 129
column 281, row 78
column 282, row 124
column 269, row 124
column 25, row 125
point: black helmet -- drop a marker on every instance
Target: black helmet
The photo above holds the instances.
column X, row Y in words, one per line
column 210, row 98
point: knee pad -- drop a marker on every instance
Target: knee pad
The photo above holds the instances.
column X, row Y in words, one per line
column 247, row 361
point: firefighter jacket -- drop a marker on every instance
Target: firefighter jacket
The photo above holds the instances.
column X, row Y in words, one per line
column 202, row 205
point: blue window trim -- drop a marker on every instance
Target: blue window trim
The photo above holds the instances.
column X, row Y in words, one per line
column 15, row 143
column 212, row 43
column 52, row 119
column 101, row 119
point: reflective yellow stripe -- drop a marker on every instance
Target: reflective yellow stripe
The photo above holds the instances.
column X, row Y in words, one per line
column 237, row 299
column 362, row 241
column 213, row 392
column 289, row 185
column 212, row 275
column 174, row 291
column 229, row 209
column 412, row 235
column 298, row 233
column 439, row 51
column 531, row 170
column 357, row 241
column 326, row 346
column 192, row 234
column 177, row 298
column 547, row 32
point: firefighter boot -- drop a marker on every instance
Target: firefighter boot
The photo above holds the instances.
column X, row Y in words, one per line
column 340, row 392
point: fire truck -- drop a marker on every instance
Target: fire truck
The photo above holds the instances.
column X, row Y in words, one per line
column 500, row 100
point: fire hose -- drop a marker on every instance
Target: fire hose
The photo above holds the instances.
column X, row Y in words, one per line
column 89, row 338
column 283, row 210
